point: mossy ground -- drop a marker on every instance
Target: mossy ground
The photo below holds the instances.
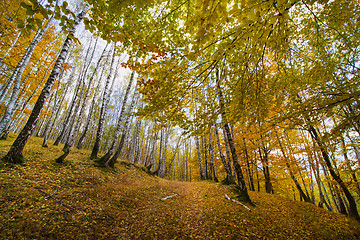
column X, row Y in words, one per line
column 87, row 202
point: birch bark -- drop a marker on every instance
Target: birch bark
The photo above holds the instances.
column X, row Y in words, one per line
column 104, row 159
column 17, row 75
column 15, row 153
column 103, row 109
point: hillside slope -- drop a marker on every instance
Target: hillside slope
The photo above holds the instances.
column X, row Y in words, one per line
column 44, row 200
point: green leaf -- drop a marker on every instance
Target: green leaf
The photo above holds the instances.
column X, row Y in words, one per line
column 44, row 12
column 34, row 2
column 20, row 24
column 38, row 22
column 29, row 12
column 24, row 5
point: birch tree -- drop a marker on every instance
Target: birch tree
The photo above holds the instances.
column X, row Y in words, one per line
column 15, row 153
column 104, row 105
column 17, row 75
column 103, row 160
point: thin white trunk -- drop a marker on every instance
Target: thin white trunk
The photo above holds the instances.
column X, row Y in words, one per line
column 15, row 153
column 111, row 150
column 103, row 109
column 16, row 78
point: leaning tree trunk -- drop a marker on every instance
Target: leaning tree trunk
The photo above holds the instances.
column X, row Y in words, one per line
column 251, row 181
column 82, row 76
column 103, row 109
column 174, row 155
column 15, row 153
column 74, row 131
column 71, row 114
column 9, row 126
column 228, row 155
column 238, row 171
column 112, row 160
column 92, row 105
column 297, row 184
column 17, row 75
column 104, row 159
column 5, row 55
column 352, row 204
column 57, row 105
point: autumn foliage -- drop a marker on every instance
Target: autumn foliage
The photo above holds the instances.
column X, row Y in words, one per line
column 45, row 200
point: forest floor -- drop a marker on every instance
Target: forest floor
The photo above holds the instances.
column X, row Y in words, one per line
column 76, row 200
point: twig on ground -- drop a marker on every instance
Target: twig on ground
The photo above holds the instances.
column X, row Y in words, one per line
column 53, row 198
column 163, row 199
column 235, row 201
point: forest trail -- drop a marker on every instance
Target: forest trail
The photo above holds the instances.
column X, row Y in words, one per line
column 76, row 200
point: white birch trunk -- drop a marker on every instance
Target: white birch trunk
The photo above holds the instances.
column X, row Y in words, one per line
column 16, row 77
column 103, row 160
column 15, row 153
column 103, row 109
column 92, row 105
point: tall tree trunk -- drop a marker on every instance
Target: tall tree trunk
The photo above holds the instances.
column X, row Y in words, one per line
column 251, row 181
column 297, row 184
column 174, row 155
column 161, row 147
column 227, row 151
column 69, row 111
column 137, row 133
column 73, row 132
column 15, row 153
column 9, row 126
column 352, row 204
column 104, row 159
column 263, row 153
column 7, row 86
column 199, row 158
column 211, row 150
column 229, row 176
column 57, row 104
column 240, row 177
column 105, row 100
column 92, row 105
column 112, row 160
column 348, row 165
column 205, row 150
column 163, row 157
column 17, row 75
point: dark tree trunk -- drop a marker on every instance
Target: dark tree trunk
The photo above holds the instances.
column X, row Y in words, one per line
column 251, row 181
column 199, row 158
column 352, row 204
column 297, row 184
column 240, row 177
column 229, row 176
column 266, row 171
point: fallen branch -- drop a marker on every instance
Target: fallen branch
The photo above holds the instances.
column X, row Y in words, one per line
column 53, row 198
column 235, row 201
column 163, row 199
